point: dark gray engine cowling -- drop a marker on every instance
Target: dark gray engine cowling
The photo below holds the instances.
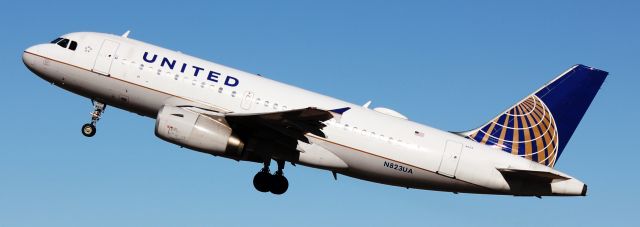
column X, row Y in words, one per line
column 196, row 131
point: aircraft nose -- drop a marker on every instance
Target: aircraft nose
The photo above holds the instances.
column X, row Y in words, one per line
column 29, row 55
column 32, row 49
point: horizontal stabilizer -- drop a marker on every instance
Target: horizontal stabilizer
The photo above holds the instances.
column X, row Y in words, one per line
column 530, row 174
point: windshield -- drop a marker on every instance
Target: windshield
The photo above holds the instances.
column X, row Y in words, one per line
column 65, row 43
column 56, row 40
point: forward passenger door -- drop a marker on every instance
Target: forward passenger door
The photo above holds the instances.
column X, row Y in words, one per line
column 105, row 57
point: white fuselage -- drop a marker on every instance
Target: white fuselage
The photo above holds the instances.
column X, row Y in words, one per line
column 363, row 143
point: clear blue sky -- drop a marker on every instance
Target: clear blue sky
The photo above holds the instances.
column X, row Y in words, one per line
column 448, row 64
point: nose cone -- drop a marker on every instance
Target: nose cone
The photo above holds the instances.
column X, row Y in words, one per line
column 32, row 57
column 29, row 55
column 36, row 49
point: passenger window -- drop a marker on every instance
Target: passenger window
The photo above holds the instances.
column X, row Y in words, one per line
column 63, row 43
column 73, row 45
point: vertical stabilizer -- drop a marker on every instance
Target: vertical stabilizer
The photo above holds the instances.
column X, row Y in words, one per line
column 540, row 126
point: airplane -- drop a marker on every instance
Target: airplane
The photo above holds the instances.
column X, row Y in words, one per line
column 225, row 112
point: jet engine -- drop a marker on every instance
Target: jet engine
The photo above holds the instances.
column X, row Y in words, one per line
column 198, row 132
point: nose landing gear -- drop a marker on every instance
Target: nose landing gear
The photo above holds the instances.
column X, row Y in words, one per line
column 89, row 129
column 277, row 183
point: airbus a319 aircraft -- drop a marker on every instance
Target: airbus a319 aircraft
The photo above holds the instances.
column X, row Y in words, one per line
column 233, row 114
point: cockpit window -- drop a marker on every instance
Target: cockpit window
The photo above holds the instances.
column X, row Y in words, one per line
column 73, row 45
column 64, row 43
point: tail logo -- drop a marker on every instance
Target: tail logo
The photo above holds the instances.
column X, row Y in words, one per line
column 527, row 130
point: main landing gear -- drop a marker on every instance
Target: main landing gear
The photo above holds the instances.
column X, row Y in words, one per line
column 89, row 129
column 276, row 183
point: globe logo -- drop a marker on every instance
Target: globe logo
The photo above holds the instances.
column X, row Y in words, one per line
column 527, row 130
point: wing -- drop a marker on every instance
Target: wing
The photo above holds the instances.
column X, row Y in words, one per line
column 292, row 124
column 272, row 133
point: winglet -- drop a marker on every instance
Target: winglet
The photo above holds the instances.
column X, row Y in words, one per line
column 337, row 113
column 126, row 34
column 341, row 110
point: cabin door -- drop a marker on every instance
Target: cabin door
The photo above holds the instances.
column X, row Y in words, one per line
column 450, row 159
column 105, row 57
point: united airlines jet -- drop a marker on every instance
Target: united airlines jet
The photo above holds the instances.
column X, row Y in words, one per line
column 225, row 112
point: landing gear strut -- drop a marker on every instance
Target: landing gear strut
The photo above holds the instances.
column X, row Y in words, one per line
column 277, row 183
column 89, row 129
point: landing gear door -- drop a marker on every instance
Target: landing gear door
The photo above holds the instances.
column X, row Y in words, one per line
column 105, row 57
column 450, row 159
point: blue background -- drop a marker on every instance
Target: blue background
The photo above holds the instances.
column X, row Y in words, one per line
column 449, row 64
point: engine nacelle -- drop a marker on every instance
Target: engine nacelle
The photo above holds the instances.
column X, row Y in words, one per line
column 196, row 131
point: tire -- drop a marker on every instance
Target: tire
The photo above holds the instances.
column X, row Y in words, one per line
column 262, row 181
column 279, row 184
column 88, row 130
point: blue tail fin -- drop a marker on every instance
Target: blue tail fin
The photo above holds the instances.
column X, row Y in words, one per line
column 540, row 126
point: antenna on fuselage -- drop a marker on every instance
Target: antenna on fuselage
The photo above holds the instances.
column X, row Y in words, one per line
column 366, row 105
column 126, row 34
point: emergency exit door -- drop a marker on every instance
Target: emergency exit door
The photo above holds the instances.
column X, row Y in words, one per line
column 105, row 57
column 450, row 159
column 247, row 100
